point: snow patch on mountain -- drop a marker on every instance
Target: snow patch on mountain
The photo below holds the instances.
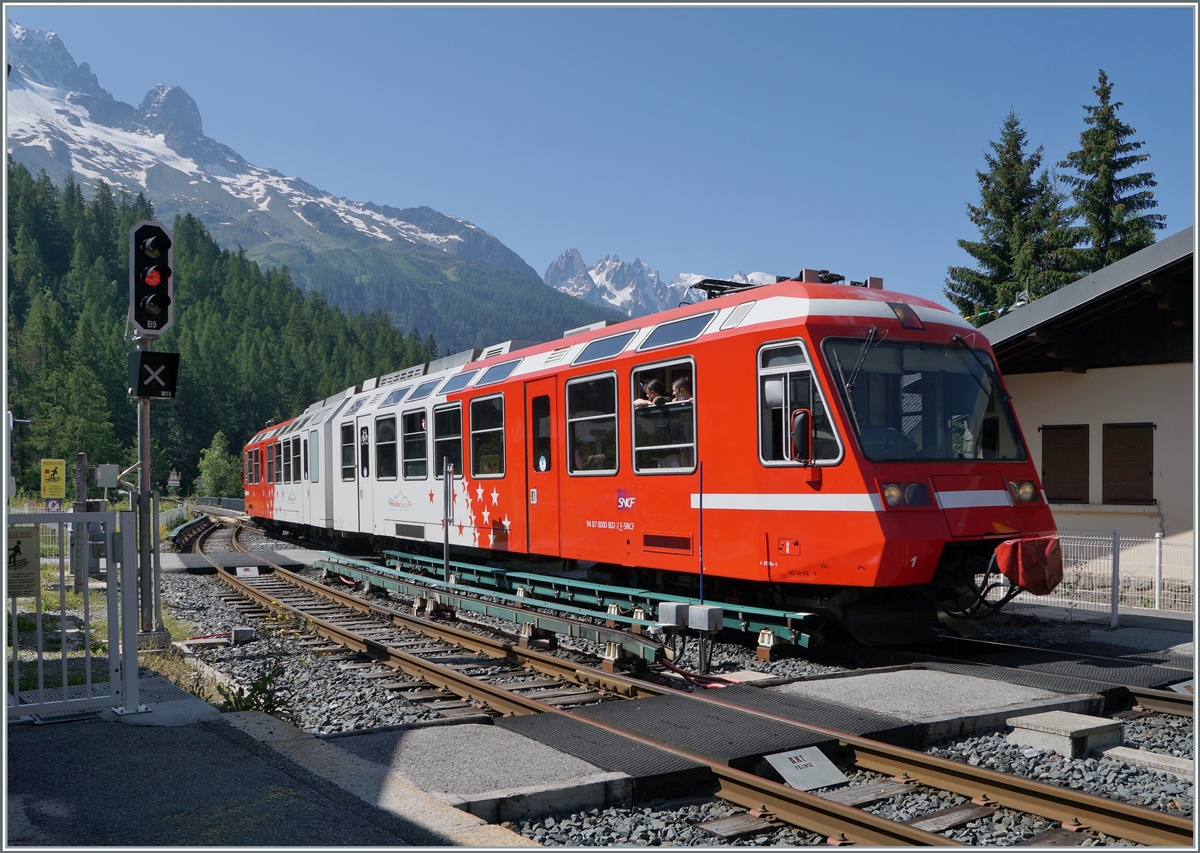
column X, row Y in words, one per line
column 61, row 120
column 631, row 288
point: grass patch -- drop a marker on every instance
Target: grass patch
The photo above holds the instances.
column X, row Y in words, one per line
column 179, row 671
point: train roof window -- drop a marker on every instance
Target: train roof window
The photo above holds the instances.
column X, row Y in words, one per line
column 457, row 383
column 603, row 348
column 354, row 408
column 497, row 373
column 394, row 397
column 677, row 331
column 423, row 390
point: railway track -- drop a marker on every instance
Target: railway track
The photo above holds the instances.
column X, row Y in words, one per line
column 467, row 674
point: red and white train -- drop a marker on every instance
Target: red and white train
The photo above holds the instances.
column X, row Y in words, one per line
column 834, row 448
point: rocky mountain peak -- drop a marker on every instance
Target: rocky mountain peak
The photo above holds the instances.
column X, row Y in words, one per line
column 171, row 111
column 41, row 56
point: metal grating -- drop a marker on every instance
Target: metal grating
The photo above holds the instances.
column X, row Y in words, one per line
column 723, row 734
column 806, row 709
column 410, row 531
column 1130, row 653
column 1024, row 677
column 666, row 542
column 1110, row 672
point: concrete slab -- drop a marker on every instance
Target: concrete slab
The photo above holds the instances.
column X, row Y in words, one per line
column 1069, row 734
column 940, row 705
column 494, row 773
column 167, row 705
column 301, row 555
column 1184, row 768
column 174, row 563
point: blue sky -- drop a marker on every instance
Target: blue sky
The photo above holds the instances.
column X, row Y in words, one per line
column 709, row 140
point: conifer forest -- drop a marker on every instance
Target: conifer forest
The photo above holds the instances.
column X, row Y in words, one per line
column 253, row 346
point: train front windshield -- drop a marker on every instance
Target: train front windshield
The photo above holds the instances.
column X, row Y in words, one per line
column 917, row 401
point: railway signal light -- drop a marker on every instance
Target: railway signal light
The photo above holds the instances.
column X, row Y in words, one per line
column 150, row 286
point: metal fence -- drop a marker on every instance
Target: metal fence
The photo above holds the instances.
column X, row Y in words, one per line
column 238, row 504
column 65, row 656
column 1105, row 573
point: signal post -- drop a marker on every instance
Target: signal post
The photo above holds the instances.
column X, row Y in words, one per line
column 151, row 374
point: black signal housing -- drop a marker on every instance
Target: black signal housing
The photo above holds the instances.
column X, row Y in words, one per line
column 151, row 289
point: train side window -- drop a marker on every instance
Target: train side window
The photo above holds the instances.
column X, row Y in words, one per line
column 385, row 448
column 314, row 456
column 304, row 457
column 592, row 425
column 296, row 459
column 447, row 439
column 347, row 451
column 487, row 437
column 664, row 418
column 786, row 385
column 247, row 469
column 416, row 446
column 258, row 454
column 539, row 422
column 285, row 448
column 364, row 450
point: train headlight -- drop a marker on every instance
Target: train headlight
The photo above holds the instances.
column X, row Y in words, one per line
column 915, row 494
column 893, row 494
column 1024, row 491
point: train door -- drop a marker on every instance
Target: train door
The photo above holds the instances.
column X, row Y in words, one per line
column 542, row 466
column 365, row 480
column 345, row 495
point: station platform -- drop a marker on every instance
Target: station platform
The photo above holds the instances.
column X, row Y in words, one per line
column 186, row 775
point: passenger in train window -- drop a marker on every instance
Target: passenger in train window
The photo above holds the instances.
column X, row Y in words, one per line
column 652, row 394
column 681, row 390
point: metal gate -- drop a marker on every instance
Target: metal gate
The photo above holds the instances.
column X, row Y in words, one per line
column 66, row 683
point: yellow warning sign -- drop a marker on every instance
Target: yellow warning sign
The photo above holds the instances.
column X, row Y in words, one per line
column 54, row 478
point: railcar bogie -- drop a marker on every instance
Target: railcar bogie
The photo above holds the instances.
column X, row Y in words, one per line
column 844, row 448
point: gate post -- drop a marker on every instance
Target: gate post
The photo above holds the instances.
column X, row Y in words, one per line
column 129, row 615
column 1116, row 576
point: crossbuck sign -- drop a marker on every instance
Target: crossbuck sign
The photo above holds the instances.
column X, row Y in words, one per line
column 153, row 374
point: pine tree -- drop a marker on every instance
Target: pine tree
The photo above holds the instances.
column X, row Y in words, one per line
column 1023, row 231
column 1110, row 205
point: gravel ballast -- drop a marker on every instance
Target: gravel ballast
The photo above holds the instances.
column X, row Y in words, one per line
column 324, row 698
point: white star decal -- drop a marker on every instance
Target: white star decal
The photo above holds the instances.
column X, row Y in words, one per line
column 495, row 496
column 479, row 492
column 486, row 516
column 507, row 524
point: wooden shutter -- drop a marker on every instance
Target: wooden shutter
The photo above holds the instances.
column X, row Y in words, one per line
column 1065, row 463
column 1129, row 463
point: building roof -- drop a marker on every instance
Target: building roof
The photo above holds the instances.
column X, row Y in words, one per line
column 1135, row 311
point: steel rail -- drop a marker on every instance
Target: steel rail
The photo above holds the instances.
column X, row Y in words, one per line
column 1072, row 808
column 499, row 649
column 798, row 808
column 1164, row 701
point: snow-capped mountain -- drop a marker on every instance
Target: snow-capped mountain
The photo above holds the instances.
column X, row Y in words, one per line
column 61, row 120
column 631, row 288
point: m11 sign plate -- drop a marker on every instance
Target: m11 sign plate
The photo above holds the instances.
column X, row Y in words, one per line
column 153, row 374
